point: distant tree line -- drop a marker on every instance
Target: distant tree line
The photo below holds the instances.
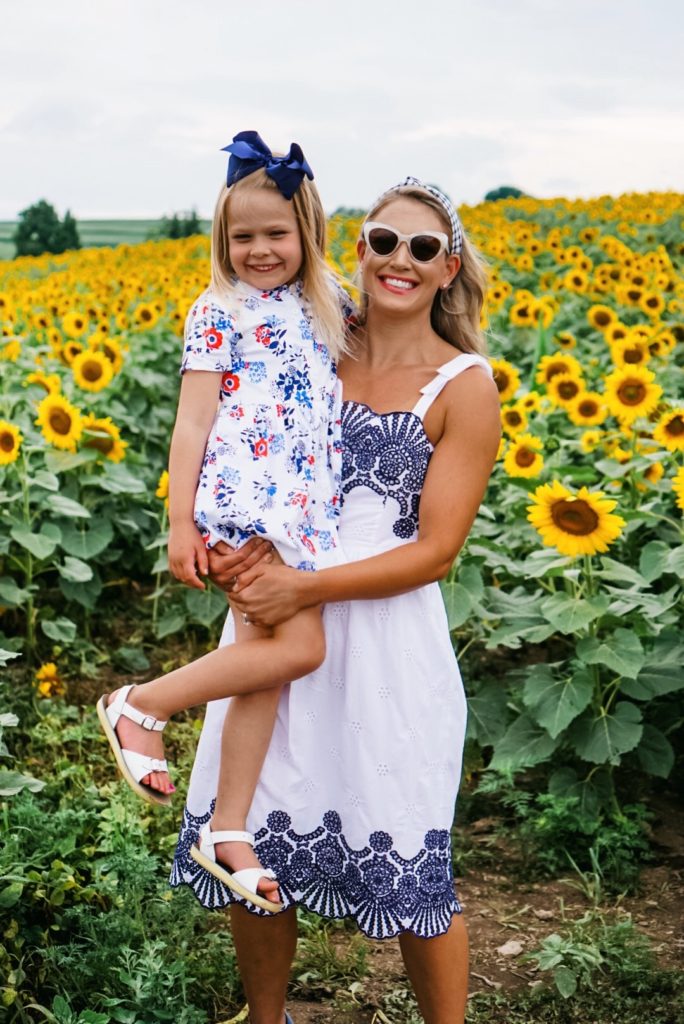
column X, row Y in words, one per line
column 40, row 230
column 179, row 225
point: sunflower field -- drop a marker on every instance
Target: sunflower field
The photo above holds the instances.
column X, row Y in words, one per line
column 566, row 605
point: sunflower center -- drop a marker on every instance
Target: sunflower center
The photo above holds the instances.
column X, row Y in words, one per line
column 501, row 380
column 633, row 355
column 588, row 407
column 102, row 444
column 7, row 442
column 676, row 426
column 145, row 314
column 568, row 389
column 632, row 392
column 91, row 370
column 60, row 421
column 513, row 418
column 574, row 516
column 553, row 368
column 602, row 319
column 524, row 457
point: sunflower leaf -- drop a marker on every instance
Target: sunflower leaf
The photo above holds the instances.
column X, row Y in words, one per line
column 621, row 652
column 524, row 744
column 62, row 630
column 554, row 703
column 570, row 614
column 38, row 544
column 11, row 595
column 602, row 737
column 653, row 560
column 63, row 506
column 655, row 752
column 457, row 602
column 75, row 570
column 487, row 714
column 82, row 543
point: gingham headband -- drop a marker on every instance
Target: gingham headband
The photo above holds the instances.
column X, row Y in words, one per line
column 445, row 203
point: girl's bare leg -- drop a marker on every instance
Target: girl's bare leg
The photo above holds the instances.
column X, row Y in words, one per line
column 265, row 948
column 438, row 971
column 295, row 648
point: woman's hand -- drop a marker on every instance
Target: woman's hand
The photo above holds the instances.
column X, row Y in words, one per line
column 270, row 594
column 188, row 554
column 226, row 563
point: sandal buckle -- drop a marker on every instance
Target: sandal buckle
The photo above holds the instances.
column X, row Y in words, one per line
column 148, row 722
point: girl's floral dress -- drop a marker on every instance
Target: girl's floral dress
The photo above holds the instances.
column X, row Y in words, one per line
column 273, row 457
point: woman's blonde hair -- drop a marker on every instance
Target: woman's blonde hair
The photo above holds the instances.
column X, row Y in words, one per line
column 456, row 310
column 318, row 290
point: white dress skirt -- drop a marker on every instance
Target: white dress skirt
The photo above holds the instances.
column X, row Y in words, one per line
column 355, row 803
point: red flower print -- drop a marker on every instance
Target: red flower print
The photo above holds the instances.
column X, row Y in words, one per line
column 230, row 382
column 311, row 459
column 261, row 447
column 298, row 498
column 306, row 541
column 263, row 334
column 213, row 338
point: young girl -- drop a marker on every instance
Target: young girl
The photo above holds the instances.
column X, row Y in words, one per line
column 255, row 452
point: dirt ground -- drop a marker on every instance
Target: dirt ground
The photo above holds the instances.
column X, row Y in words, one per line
column 506, row 920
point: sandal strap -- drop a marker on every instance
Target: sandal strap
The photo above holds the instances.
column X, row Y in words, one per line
column 210, row 838
column 119, row 707
column 249, row 878
column 140, row 765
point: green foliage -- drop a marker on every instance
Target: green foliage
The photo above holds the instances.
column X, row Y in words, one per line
column 40, row 230
column 503, row 192
column 328, row 962
column 179, row 225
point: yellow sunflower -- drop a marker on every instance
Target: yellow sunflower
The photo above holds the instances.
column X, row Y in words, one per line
column 564, row 388
column 678, row 487
column 601, row 317
column 531, row 402
column 513, row 419
column 652, row 303
column 163, row 488
column 654, row 473
column 92, row 370
column 104, row 436
column 575, row 524
column 10, row 442
column 549, row 366
column 112, row 349
column 576, row 280
column 74, row 324
column 521, row 313
column 69, row 352
column 630, row 351
column 587, row 410
column 590, row 440
column 60, row 422
column 669, row 430
column 48, row 381
column 145, row 315
column 48, row 682
column 523, row 458
column 11, row 351
column 506, row 378
column 565, row 340
column 631, row 392
column 615, row 332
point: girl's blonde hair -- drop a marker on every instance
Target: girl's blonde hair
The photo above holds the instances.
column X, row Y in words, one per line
column 318, row 290
column 456, row 310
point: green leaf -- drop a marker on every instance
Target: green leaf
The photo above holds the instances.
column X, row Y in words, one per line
column 75, row 570
column 11, row 595
column 62, row 630
column 601, row 737
column 622, row 652
column 457, row 602
column 132, row 659
column 161, row 563
column 565, row 981
column 524, row 744
column 48, row 481
column 85, row 594
column 170, row 622
column 675, row 562
column 569, row 614
column 82, row 543
column 12, row 783
column 543, row 561
column 620, row 573
column 470, row 576
column 116, row 479
column 488, row 714
column 554, row 703
column 655, row 752
column 11, row 894
column 61, row 462
column 205, row 605
column 653, row 560
column 63, row 506
column 40, row 545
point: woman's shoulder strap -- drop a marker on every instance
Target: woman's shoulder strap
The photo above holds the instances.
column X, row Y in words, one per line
column 444, row 374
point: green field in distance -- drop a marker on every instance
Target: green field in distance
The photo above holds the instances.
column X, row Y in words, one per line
column 95, row 232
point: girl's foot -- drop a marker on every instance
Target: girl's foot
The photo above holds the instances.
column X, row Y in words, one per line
column 148, row 742
column 238, row 856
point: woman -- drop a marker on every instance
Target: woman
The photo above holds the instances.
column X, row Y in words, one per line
column 356, row 797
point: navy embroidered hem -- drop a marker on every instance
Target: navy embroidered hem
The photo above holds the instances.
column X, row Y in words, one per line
column 385, row 893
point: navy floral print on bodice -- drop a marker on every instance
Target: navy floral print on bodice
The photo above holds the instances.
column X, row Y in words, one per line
column 389, row 454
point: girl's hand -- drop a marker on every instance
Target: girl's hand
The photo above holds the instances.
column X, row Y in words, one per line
column 270, row 594
column 188, row 555
column 226, row 564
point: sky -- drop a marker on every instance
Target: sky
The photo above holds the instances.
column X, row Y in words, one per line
column 120, row 108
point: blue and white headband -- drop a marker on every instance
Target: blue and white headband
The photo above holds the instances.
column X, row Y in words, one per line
column 444, row 202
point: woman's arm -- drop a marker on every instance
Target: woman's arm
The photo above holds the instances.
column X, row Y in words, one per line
column 454, row 486
column 196, row 411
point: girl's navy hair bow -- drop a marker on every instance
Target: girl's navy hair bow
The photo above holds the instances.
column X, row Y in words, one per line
column 249, row 152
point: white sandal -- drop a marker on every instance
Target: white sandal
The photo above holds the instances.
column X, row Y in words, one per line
column 132, row 765
column 243, row 882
